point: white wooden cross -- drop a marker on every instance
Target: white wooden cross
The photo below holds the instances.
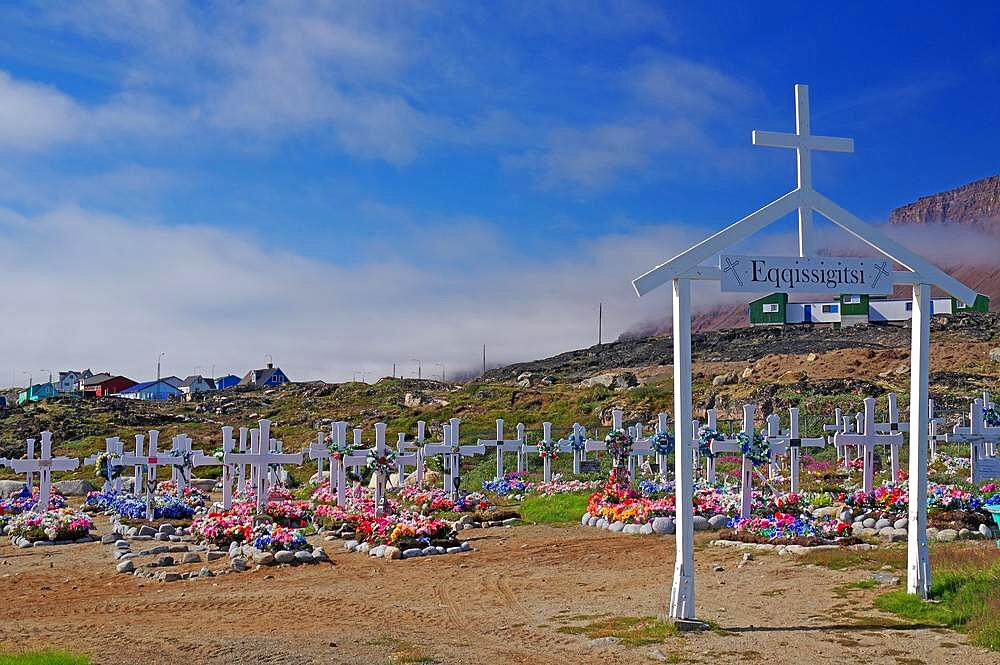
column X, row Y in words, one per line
column 241, row 469
column 44, row 465
column 137, row 479
column 338, row 467
column 452, row 452
column 866, row 442
column 574, row 444
column 893, row 425
column 934, row 434
column 793, row 441
column 227, row 468
column 318, row 452
column 843, row 424
column 113, row 448
column 417, row 446
column 183, row 472
column 711, row 416
column 505, row 445
column 990, row 446
column 539, row 447
column 150, row 463
column 260, row 459
column 380, row 477
column 276, row 474
column 977, row 435
column 640, row 448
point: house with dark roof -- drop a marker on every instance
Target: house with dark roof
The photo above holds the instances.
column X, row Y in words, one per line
column 113, row 386
column 196, row 383
column 151, row 390
column 69, row 381
column 269, row 376
column 36, row 392
column 89, row 385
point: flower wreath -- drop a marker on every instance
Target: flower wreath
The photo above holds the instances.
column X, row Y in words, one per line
column 548, row 449
column 619, row 443
column 187, row 459
column 339, row 452
column 577, row 441
column 706, row 435
column 662, row 443
column 754, row 447
column 991, row 416
column 103, row 461
column 383, row 463
column 219, row 454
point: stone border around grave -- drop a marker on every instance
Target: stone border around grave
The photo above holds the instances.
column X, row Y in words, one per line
column 661, row 526
column 23, row 543
column 896, row 531
column 785, row 550
column 391, row 552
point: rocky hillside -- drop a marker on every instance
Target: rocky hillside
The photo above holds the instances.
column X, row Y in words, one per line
column 977, row 203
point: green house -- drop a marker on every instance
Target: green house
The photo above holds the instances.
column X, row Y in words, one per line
column 36, row 392
column 982, row 304
column 769, row 310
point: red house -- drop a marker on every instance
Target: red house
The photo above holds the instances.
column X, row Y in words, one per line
column 113, row 386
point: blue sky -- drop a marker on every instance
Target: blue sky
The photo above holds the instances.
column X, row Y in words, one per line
column 348, row 185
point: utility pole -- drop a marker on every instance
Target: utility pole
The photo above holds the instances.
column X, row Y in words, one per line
column 484, row 360
column 600, row 322
column 394, row 370
column 162, row 353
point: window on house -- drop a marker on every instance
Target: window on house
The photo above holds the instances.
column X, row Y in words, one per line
column 909, row 307
column 770, row 308
column 852, row 300
column 830, row 309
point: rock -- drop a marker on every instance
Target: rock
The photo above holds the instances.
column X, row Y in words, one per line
column 593, row 521
column 377, row 551
column 747, row 556
column 617, row 527
column 125, row 567
column 947, row 535
column 159, row 549
column 725, row 379
column 349, row 545
column 868, row 532
column 146, row 530
column 169, row 577
column 964, row 534
column 392, row 553
column 23, row 544
column 239, row 564
column 430, row 550
column 718, row 521
column 214, row 555
column 646, row 530
column 302, row 556
column 602, row 524
column 42, row 543
column 812, row 357
column 869, row 523
column 10, row 488
column 663, row 525
column 885, row 579
column 881, row 524
column 412, row 552
column 191, row 557
column 120, row 544
column 363, row 548
column 898, row 536
column 167, row 529
column 165, row 561
column 719, row 569
column 466, row 546
column 440, row 550
column 161, row 536
column 700, row 523
column 901, row 523
column 847, row 515
column 263, row 558
column 746, row 374
column 511, row 521
column 319, row 554
column 205, row 572
column 985, row 531
column 284, row 556
column 885, row 532
column 204, row 484
column 112, row 538
column 453, row 550
column 73, row 487
column 826, row 511
column 995, row 355
column 632, row 529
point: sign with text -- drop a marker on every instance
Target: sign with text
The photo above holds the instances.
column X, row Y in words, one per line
column 817, row 274
column 987, row 468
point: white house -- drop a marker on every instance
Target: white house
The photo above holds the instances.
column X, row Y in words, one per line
column 196, row 383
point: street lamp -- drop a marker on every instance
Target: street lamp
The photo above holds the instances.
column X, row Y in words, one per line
column 441, row 365
column 30, row 381
column 270, row 360
column 158, row 358
column 414, row 360
column 50, row 373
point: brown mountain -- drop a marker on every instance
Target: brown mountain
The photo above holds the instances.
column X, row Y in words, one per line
column 976, row 204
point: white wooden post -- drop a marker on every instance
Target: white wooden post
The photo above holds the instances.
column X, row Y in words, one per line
column 137, row 471
column 227, row 471
column 29, row 477
column 711, row 416
column 918, row 571
column 44, row 465
column 682, row 590
column 241, row 469
column 746, row 489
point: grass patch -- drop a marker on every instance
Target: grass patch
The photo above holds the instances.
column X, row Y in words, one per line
column 965, row 594
column 844, row 559
column 631, row 631
column 861, row 584
column 554, row 509
column 43, row 658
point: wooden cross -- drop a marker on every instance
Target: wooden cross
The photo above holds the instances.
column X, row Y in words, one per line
column 150, row 462
column 539, row 448
column 113, row 448
column 934, row 434
column 866, row 440
column 417, row 446
column 977, row 435
column 183, row 473
column 505, row 445
column 572, row 444
column 452, row 452
column 260, row 459
column 338, row 467
column 44, row 465
column 640, row 448
column 318, row 452
column 241, row 469
column 227, row 468
column 380, row 476
column 793, row 442
column 712, row 423
column 892, row 426
column 841, row 423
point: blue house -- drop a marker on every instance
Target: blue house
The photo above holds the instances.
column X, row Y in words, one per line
column 151, row 390
column 269, row 376
column 227, row 381
column 36, row 392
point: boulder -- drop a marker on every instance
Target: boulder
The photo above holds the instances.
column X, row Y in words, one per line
column 316, row 479
column 191, row 557
column 284, row 556
column 718, row 521
column 663, row 525
column 995, row 355
column 646, row 529
column 73, row 487
column 263, row 558
column 392, row 553
column 901, row 523
column 881, row 524
column 10, row 488
column 826, row 511
column 412, row 552
column 125, row 567
column 319, row 554
column 947, row 535
column 303, row 556
column 585, row 519
column 985, row 531
column 964, row 534
column 204, row 484
column 632, row 529
column 238, row 564
column 605, row 380
column 700, row 523
column 602, row 524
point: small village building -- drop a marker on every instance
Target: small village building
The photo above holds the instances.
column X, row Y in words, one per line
column 269, row 376
column 69, row 381
column 195, row 384
column 151, row 390
column 175, row 381
column 227, row 381
column 88, row 386
column 849, row 309
column 113, row 386
column 36, row 392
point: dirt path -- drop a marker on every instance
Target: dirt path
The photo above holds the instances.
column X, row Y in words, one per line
column 505, row 602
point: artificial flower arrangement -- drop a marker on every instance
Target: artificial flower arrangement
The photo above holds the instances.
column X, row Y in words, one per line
column 222, row 527
column 404, row 529
column 754, row 447
column 292, row 514
column 133, row 506
column 339, row 452
column 706, row 437
column 192, row 496
column 438, row 500
column 277, row 538
column 548, row 449
column 662, row 443
column 103, row 461
column 577, row 442
column 786, row 527
column 559, row 486
column 383, row 463
column 59, row 524
column 619, row 444
column 27, row 499
column 513, row 483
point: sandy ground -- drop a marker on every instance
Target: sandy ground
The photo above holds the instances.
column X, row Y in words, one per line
column 506, row 602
